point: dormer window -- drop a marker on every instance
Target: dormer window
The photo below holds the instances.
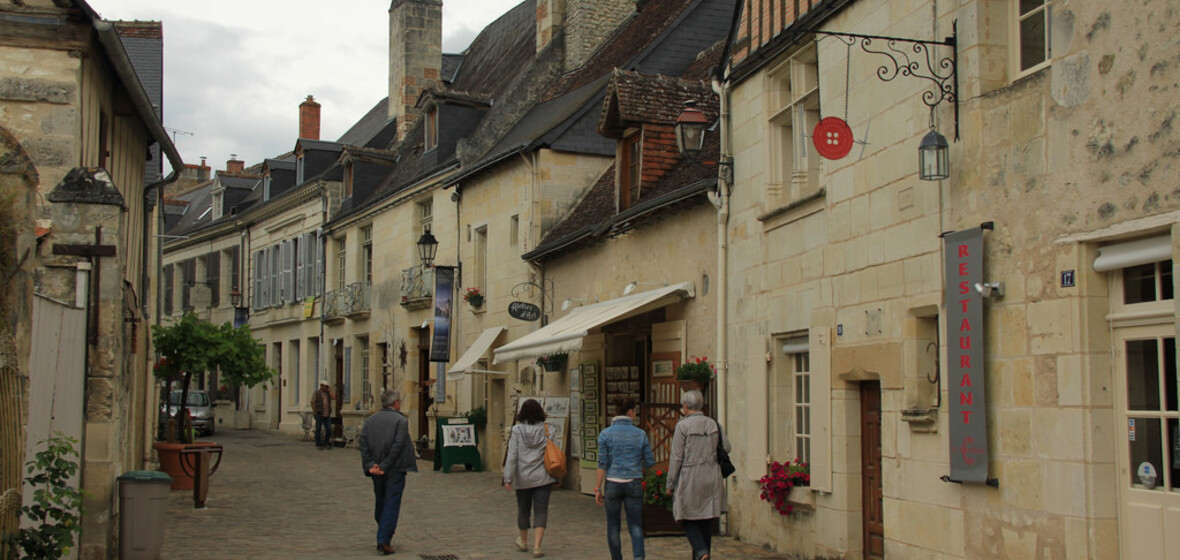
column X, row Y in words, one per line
column 218, row 204
column 348, row 173
column 299, row 168
column 630, row 170
column 266, row 188
column 431, row 140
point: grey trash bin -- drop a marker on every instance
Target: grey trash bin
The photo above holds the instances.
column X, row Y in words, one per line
column 143, row 505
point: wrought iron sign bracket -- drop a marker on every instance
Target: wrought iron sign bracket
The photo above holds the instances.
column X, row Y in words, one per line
column 915, row 59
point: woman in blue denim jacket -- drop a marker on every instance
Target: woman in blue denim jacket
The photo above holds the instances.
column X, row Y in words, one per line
column 623, row 452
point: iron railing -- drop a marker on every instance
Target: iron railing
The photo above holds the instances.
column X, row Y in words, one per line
column 349, row 300
column 417, row 285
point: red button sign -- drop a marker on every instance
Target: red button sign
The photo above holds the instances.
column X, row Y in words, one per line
column 832, row 138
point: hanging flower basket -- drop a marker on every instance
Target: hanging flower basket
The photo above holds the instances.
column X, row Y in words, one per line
column 552, row 362
column 696, row 374
column 473, row 297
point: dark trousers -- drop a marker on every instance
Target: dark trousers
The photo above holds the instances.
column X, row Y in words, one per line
column 388, row 490
column 700, row 535
column 323, row 431
column 627, row 497
column 536, row 499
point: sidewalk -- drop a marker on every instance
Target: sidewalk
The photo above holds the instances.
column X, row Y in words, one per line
column 277, row 497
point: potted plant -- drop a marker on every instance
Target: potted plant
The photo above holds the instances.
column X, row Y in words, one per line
column 477, row 416
column 783, row 477
column 695, row 374
column 194, row 345
column 473, row 296
column 553, row 362
column 657, row 505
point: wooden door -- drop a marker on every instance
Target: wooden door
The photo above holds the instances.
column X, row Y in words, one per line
column 338, row 419
column 424, row 382
column 870, row 455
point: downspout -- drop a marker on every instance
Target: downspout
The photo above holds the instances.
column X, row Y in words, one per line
column 722, row 204
column 534, row 227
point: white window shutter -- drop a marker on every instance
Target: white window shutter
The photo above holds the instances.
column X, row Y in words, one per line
column 821, row 408
column 258, row 297
column 319, row 262
column 300, row 248
column 276, row 265
column 288, row 279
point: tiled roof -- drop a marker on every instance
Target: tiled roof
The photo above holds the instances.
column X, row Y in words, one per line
column 638, row 98
column 499, row 54
column 369, row 126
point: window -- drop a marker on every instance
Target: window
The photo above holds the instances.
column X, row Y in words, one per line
column 218, row 205
column 190, row 278
column 480, row 274
column 1032, row 34
column 299, row 159
column 790, row 402
column 367, row 254
column 794, row 110
column 295, row 369
column 341, row 261
column 168, row 289
column 213, row 277
column 234, row 258
column 348, row 174
column 514, row 230
column 275, row 276
column 1147, row 283
column 431, row 128
column 266, row 188
column 366, row 380
column 630, row 170
column 425, row 215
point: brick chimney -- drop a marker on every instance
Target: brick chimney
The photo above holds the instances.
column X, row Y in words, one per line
column 550, row 16
column 234, row 165
column 415, row 56
column 309, row 119
column 588, row 23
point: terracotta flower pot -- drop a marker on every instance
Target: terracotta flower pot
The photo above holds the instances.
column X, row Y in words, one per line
column 169, row 455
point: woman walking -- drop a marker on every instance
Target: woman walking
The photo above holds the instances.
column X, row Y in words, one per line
column 524, row 468
column 694, row 477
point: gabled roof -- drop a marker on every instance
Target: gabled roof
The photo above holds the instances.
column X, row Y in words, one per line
column 633, row 98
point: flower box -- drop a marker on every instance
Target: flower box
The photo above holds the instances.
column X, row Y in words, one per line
column 658, row 521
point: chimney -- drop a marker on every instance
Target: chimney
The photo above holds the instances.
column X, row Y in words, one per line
column 588, row 23
column 415, row 56
column 550, row 16
column 309, row 119
column 234, row 165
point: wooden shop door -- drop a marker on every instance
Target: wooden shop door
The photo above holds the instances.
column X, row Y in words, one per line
column 872, row 512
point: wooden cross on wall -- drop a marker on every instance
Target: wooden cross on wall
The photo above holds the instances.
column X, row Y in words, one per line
column 93, row 252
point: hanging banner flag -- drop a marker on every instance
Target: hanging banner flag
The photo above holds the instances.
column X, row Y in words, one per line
column 963, row 269
column 440, row 340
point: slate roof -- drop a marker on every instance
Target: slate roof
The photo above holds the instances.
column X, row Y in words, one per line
column 664, row 37
column 494, row 59
column 635, row 99
column 369, row 126
column 144, row 43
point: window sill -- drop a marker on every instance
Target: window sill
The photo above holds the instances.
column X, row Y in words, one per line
column 793, row 210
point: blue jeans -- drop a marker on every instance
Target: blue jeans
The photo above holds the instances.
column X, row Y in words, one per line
column 628, row 496
column 323, row 425
column 700, row 535
column 388, row 490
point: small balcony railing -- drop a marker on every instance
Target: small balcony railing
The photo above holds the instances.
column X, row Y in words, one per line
column 351, row 300
column 417, row 287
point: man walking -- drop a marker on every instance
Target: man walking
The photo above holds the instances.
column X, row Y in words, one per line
column 321, row 405
column 623, row 452
column 387, row 454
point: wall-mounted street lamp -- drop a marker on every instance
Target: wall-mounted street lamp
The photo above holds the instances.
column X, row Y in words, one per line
column 427, row 248
column 235, row 297
column 690, row 129
column 934, row 157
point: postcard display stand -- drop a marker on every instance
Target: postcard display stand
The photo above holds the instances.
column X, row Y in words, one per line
column 456, row 443
column 620, row 383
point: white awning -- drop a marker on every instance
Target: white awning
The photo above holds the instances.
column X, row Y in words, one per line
column 1133, row 253
column 566, row 333
column 478, row 349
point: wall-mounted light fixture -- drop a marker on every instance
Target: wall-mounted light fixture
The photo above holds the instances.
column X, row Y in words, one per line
column 427, row 248
column 569, row 302
column 630, row 288
column 990, row 290
column 690, row 128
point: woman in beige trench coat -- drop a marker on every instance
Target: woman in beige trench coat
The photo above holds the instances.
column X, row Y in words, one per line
column 694, row 477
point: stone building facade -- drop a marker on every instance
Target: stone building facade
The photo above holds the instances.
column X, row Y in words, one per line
column 841, row 278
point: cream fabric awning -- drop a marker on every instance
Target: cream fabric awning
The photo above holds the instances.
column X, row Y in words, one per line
column 566, row 333
column 478, row 349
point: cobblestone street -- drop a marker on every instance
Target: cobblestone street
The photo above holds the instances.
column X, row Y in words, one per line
column 277, row 497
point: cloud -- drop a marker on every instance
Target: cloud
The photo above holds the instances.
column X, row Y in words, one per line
column 236, row 71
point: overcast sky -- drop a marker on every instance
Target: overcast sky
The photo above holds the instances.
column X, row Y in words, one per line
column 235, row 71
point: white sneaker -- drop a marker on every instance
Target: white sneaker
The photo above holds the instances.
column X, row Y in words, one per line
column 520, row 545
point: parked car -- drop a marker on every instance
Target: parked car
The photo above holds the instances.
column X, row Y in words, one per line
column 200, row 407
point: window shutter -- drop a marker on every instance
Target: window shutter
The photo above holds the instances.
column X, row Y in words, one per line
column 213, row 277
column 235, row 269
column 319, row 262
column 190, row 276
column 821, row 408
column 289, row 271
column 299, row 244
column 259, row 276
column 275, row 274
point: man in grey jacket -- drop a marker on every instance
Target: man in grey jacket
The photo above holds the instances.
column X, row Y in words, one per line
column 387, row 454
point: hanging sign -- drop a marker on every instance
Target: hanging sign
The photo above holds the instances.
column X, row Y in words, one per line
column 440, row 341
column 524, row 311
column 832, row 138
column 963, row 269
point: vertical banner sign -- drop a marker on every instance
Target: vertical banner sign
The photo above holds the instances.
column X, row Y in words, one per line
column 963, row 254
column 440, row 340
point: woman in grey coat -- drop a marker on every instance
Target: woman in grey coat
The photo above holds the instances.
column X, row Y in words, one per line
column 694, row 477
column 524, row 468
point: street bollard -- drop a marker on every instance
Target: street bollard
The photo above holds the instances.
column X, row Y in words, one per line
column 198, row 463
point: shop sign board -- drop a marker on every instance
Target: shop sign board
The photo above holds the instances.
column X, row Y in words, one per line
column 524, row 311
column 965, row 337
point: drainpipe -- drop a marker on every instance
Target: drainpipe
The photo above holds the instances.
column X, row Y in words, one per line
column 722, row 204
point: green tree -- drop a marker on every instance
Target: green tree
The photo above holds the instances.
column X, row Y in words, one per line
column 194, row 345
column 55, row 513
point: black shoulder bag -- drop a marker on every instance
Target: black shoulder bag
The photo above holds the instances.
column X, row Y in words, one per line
column 727, row 467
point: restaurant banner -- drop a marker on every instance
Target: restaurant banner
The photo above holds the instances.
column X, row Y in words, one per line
column 963, row 268
column 440, row 340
